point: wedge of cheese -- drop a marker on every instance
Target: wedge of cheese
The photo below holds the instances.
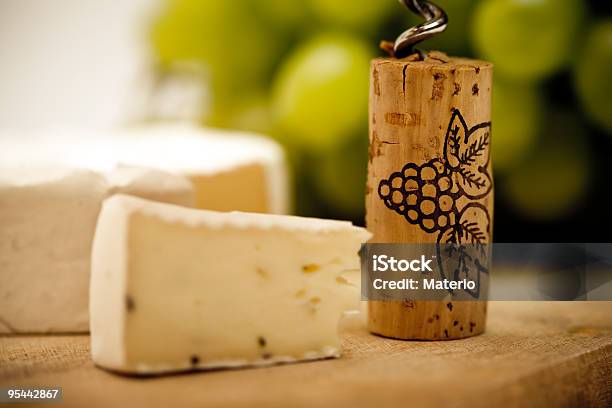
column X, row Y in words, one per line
column 177, row 289
column 47, row 222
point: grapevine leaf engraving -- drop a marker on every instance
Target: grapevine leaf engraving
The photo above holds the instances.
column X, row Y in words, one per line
column 464, row 254
column 427, row 196
column 466, row 151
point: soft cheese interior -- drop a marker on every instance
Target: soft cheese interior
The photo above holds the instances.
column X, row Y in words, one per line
column 175, row 288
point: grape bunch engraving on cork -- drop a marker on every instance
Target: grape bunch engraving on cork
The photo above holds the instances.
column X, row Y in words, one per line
column 441, row 196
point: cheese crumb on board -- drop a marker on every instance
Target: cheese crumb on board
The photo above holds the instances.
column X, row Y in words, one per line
column 177, row 289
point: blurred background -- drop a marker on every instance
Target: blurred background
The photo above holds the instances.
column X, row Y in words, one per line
column 297, row 70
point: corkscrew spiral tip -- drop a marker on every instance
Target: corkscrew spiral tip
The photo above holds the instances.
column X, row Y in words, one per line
column 436, row 22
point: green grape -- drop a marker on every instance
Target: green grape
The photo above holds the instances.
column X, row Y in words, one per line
column 553, row 180
column 359, row 14
column 593, row 75
column 527, row 40
column 236, row 48
column 454, row 40
column 517, row 111
column 320, row 96
column 340, row 176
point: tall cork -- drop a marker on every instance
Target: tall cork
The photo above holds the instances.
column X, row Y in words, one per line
column 429, row 177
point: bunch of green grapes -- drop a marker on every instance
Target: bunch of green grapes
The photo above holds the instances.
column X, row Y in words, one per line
column 298, row 70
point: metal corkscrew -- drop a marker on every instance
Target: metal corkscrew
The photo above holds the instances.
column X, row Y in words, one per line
column 436, row 22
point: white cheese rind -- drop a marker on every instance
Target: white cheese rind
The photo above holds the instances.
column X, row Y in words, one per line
column 181, row 149
column 48, row 219
column 151, row 184
column 189, row 289
column 45, row 241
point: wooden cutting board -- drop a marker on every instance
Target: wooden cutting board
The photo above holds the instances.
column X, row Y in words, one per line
column 532, row 354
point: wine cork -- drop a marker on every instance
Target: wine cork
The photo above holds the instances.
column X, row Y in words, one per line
column 429, row 178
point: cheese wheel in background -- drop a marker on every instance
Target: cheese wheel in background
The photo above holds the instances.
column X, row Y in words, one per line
column 229, row 170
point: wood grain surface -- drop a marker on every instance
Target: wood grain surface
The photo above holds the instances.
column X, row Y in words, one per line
column 532, row 354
